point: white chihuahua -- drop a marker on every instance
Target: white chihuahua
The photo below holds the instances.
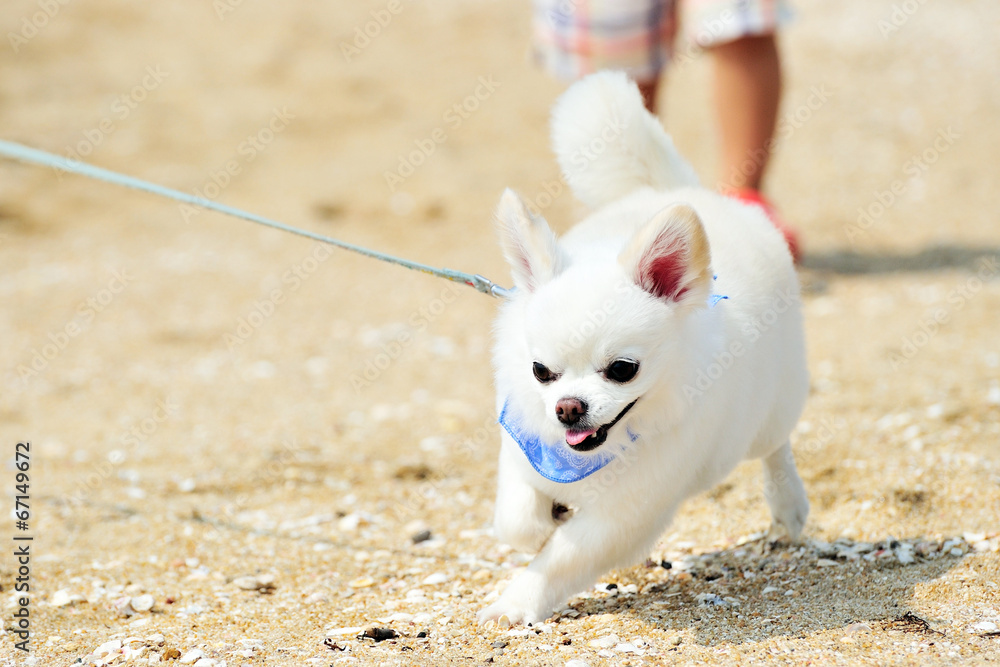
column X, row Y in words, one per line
column 642, row 356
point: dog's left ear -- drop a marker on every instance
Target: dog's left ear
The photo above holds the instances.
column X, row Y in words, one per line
column 528, row 244
column 669, row 257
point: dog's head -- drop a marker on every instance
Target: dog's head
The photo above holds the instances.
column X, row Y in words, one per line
column 594, row 331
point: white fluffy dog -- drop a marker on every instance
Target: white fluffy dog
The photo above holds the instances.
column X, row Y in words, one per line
column 643, row 355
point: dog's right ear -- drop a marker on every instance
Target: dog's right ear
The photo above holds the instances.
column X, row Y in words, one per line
column 528, row 244
column 669, row 258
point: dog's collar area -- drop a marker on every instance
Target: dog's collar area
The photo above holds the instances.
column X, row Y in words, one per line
column 601, row 434
column 556, row 461
column 713, row 299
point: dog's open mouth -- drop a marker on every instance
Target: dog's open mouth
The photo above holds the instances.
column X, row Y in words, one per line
column 585, row 441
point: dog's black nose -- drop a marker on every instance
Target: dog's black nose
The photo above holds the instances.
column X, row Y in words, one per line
column 570, row 410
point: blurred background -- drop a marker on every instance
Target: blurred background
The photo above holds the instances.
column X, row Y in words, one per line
column 178, row 371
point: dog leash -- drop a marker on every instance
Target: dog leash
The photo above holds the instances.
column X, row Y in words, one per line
column 29, row 155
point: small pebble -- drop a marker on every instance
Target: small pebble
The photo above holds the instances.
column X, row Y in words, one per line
column 378, row 634
column 985, row 627
column 525, row 632
column 263, row 583
column 112, row 646
column 351, row 522
column 604, row 642
column 362, row 582
column 192, row 656
column 628, row 647
column 142, row 603
column 63, row 598
column 422, row 536
column 435, row 579
column 712, row 600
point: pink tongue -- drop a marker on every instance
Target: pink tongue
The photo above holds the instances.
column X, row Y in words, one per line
column 574, row 438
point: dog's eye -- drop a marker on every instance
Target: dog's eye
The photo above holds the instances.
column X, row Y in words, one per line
column 621, row 370
column 543, row 374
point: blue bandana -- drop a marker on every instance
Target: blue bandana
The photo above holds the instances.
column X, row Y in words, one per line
column 554, row 461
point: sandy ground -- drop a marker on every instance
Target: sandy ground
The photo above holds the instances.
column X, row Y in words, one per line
column 250, row 429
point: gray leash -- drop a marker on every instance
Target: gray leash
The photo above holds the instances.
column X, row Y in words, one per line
column 34, row 156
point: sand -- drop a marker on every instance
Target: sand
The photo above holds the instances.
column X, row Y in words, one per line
column 247, row 430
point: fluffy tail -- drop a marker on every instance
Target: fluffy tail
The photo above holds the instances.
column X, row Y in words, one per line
column 608, row 145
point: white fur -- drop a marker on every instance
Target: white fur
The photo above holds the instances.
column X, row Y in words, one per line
column 607, row 145
column 716, row 384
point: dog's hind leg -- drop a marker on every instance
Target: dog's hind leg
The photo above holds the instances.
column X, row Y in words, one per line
column 786, row 496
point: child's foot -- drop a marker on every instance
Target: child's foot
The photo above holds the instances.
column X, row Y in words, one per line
column 751, row 196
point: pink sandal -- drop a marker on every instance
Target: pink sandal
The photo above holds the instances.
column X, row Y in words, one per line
column 751, row 196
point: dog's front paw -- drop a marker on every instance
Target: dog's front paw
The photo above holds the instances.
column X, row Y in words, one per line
column 504, row 612
column 523, row 602
column 501, row 614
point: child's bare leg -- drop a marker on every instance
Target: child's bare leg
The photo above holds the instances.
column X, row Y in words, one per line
column 747, row 93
